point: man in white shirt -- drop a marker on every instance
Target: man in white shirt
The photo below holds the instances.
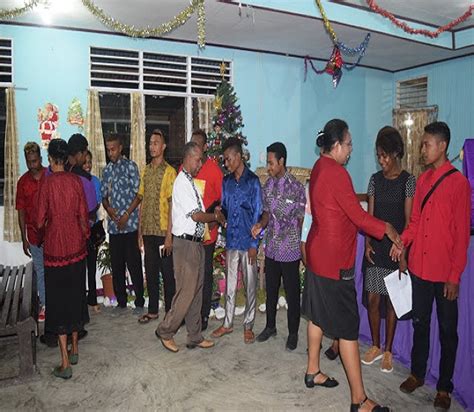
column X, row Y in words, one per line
column 188, row 219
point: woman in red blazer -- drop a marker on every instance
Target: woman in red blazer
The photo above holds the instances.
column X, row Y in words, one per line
column 329, row 297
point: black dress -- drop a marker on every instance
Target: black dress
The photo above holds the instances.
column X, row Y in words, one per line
column 389, row 205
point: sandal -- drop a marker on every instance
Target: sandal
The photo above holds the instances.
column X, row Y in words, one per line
column 330, row 354
column 147, row 317
column 377, row 408
column 328, row 383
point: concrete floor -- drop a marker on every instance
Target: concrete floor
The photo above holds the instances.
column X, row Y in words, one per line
column 123, row 366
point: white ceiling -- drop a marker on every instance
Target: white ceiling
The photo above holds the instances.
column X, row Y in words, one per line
column 266, row 30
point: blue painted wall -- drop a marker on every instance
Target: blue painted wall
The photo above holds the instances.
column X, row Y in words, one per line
column 53, row 65
column 451, row 87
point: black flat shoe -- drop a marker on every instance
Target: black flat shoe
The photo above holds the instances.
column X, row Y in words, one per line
column 377, row 408
column 328, row 383
column 330, row 354
column 266, row 334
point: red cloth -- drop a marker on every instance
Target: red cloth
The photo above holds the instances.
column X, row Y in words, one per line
column 439, row 235
column 27, row 190
column 211, row 174
column 62, row 211
column 337, row 216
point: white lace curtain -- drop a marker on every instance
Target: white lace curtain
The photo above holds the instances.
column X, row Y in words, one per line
column 11, row 231
column 205, row 113
column 93, row 130
column 137, row 133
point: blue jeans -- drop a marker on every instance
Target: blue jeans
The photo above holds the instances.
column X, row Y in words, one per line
column 38, row 265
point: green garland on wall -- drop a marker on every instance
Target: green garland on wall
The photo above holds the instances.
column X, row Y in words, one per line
column 18, row 11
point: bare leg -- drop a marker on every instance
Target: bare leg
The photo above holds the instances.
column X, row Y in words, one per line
column 74, row 346
column 315, row 335
column 349, row 350
column 374, row 317
column 63, row 351
column 390, row 325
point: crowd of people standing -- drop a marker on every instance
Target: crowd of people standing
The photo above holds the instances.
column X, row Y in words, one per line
column 174, row 217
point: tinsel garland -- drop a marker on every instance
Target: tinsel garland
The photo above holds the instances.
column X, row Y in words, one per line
column 432, row 34
column 18, row 11
column 174, row 23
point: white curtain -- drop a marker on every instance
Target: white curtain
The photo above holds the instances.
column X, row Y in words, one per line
column 93, row 130
column 205, row 112
column 11, row 230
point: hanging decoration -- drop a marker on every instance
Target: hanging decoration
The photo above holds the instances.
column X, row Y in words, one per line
column 18, row 11
column 48, row 124
column 336, row 62
column 196, row 6
column 402, row 25
column 75, row 115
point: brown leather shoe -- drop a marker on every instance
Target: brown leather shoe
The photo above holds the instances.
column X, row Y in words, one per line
column 168, row 344
column 442, row 401
column 221, row 331
column 411, row 383
column 204, row 344
column 249, row 336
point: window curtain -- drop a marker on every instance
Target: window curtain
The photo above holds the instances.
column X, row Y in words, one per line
column 205, row 113
column 411, row 123
column 137, row 133
column 93, row 130
column 11, row 230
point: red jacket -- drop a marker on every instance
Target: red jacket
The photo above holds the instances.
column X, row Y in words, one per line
column 439, row 235
column 337, row 216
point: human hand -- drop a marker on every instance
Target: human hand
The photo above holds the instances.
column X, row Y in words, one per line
column 252, row 252
column 256, row 230
column 369, row 250
column 393, row 235
column 451, row 291
column 26, row 248
column 220, row 216
column 168, row 245
column 122, row 221
column 395, row 253
column 112, row 213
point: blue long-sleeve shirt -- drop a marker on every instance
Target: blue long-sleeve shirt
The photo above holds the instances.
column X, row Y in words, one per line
column 242, row 205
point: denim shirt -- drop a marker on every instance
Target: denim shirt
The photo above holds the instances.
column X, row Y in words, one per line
column 242, row 205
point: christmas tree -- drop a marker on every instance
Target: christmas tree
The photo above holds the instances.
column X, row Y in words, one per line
column 227, row 122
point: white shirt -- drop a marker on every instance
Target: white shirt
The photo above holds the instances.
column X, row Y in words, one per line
column 186, row 201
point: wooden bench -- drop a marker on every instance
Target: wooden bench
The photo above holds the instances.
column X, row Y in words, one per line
column 18, row 310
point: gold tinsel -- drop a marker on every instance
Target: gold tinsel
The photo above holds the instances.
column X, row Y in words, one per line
column 174, row 23
column 18, row 11
column 326, row 21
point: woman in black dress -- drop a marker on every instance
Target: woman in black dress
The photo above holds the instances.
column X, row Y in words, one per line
column 390, row 194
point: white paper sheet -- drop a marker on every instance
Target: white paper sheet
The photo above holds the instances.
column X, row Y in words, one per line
column 399, row 290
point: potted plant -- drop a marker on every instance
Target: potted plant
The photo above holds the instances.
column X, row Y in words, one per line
column 104, row 263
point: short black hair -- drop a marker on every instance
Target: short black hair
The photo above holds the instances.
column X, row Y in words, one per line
column 440, row 130
column 333, row 132
column 279, row 150
column 202, row 133
column 233, row 143
column 390, row 141
column 77, row 143
column 114, row 138
column 159, row 132
column 58, row 150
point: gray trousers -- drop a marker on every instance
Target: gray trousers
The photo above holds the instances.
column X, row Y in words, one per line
column 188, row 262
column 249, row 271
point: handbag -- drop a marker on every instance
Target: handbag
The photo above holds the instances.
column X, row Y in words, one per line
column 97, row 233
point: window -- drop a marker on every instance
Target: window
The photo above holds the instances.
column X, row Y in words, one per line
column 413, row 93
column 3, row 123
column 115, row 114
column 178, row 92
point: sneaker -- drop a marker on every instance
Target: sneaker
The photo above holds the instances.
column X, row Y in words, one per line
column 42, row 314
column 387, row 364
column 372, row 355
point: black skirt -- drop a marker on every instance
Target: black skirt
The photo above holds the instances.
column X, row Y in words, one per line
column 65, row 298
column 331, row 305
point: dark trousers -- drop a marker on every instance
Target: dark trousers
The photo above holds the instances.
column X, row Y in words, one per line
column 91, row 272
column 424, row 292
column 124, row 250
column 154, row 264
column 208, row 279
column 291, row 283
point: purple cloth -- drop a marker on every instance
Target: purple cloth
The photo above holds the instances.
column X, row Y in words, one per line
column 463, row 379
column 284, row 200
column 468, row 170
column 89, row 191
